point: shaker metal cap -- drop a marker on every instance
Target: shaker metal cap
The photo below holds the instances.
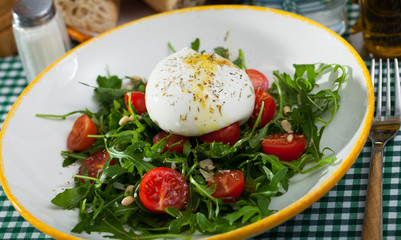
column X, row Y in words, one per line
column 30, row 13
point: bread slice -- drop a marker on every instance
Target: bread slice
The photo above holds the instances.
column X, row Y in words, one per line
column 93, row 16
column 6, row 19
column 7, row 43
column 167, row 5
column 6, row 6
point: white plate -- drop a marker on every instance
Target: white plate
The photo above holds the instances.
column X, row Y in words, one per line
column 31, row 172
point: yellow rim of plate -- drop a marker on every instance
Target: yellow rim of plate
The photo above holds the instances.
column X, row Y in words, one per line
column 251, row 229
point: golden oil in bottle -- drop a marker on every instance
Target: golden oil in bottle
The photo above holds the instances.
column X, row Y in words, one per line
column 381, row 22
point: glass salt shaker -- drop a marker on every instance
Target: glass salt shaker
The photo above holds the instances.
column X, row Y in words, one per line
column 40, row 34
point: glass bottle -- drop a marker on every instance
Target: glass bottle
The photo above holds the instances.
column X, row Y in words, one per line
column 40, row 34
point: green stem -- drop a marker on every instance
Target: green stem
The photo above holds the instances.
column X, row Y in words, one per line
column 59, row 116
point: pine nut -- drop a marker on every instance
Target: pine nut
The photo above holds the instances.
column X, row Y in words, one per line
column 127, row 201
column 129, row 87
column 130, row 189
column 286, row 125
column 206, row 164
column 123, row 120
column 286, row 110
column 135, row 79
column 209, row 177
column 173, row 165
column 290, row 138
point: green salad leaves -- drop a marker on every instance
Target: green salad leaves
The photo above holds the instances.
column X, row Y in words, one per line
column 98, row 200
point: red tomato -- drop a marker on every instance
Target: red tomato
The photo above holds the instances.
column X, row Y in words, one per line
column 78, row 139
column 258, row 79
column 137, row 101
column 229, row 134
column 94, row 164
column 163, row 187
column 229, row 185
column 280, row 146
column 269, row 107
column 173, row 139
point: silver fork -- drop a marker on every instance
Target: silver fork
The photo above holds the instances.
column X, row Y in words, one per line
column 383, row 129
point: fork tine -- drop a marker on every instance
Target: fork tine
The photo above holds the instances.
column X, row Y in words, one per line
column 379, row 92
column 397, row 110
column 372, row 71
column 388, row 90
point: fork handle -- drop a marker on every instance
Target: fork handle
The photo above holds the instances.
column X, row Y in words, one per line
column 372, row 227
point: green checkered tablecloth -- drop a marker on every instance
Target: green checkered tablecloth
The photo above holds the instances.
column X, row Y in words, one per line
column 12, row 83
column 337, row 215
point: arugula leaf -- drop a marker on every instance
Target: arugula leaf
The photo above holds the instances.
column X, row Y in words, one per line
column 240, row 61
column 71, row 198
column 112, row 225
column 245, row 212
column 129, row 160
column 263, row 203
column 108, row 90
column 112, row 82
column 222, row 52
column 182, row 221
column 195, row 44
column 84, row 223
column 112, row 172
column 215, row 150
column 207, row 226
column 170, row 46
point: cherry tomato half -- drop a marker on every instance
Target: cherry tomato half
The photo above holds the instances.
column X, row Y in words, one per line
column 94, row 164
column 163, row 187
column 229, row 185
column 269, row 108
column 173, row 139
column 229, row 134
column 285, row 147
column 258, row 79
column 137, row 101
column 78, row 139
